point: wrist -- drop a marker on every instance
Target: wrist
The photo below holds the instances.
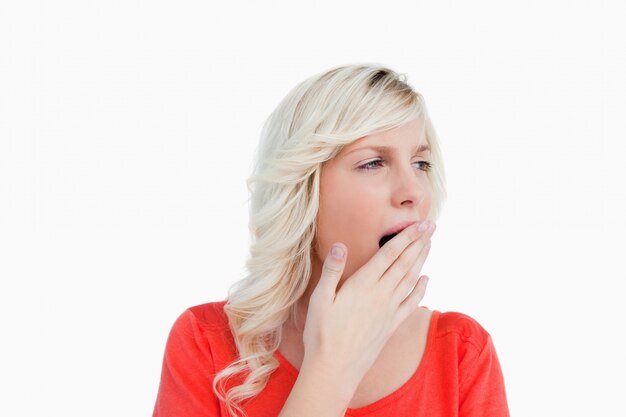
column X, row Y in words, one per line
column 328, row 376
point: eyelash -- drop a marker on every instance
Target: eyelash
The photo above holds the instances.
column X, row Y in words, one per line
column 428, row 166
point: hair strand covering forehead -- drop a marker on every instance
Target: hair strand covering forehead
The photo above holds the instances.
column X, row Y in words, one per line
column 309, row 126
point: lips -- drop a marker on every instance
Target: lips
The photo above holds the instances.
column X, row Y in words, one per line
column 390, row 233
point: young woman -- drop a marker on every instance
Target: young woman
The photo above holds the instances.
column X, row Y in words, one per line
column 347, row 185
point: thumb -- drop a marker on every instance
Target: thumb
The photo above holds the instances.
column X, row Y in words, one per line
column 333, row 269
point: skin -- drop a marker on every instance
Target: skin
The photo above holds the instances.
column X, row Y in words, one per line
column 358, row 206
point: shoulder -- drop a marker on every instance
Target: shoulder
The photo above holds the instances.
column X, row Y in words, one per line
column 210, row 316
column 200, row 322
column 202, row 331
column 462, row 328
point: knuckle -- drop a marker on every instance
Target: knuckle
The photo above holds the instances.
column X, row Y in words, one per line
column 405, row 263
column 391, row 251
column 413, row 277
column 332, row 268
column 407, row 284
column 413, row 273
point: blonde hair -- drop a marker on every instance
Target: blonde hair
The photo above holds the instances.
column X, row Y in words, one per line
column 310, row 125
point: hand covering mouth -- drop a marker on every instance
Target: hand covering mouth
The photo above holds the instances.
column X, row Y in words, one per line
column 386, row 239
column 394, row 231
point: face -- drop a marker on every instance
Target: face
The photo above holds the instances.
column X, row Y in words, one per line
column 365, row 192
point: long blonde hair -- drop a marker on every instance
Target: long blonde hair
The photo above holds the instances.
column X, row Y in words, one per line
column 310, row 125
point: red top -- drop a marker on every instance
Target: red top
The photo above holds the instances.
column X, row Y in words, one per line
column 459, row 374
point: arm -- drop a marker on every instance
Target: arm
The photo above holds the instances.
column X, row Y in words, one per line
column 481, row 388
column 187, row 375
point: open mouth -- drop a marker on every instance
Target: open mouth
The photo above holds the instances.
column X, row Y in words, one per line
column 385, row 239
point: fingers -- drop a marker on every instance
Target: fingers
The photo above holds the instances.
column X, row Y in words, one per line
column 387, row 266
column 410, row 303
column 408, row 260
column 332, row 270
column 392, row 250
column 410, row 279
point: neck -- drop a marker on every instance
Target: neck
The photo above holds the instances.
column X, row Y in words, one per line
column 302, row 305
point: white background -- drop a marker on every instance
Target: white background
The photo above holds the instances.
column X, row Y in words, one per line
column 127, row 131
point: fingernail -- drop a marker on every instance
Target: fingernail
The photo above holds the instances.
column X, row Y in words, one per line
column 424, row 226
column 337, row 252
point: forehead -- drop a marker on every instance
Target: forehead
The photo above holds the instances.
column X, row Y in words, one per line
column 410, row 136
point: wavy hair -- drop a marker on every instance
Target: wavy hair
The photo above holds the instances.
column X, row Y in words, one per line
column 309, row 126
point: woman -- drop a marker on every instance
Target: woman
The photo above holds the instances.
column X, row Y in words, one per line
column 348, row 165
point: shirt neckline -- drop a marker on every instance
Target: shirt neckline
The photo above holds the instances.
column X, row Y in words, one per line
column 430, row 340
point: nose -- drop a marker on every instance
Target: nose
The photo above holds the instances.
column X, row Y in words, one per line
column 409, row 186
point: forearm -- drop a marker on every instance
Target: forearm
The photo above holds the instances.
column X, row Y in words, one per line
column 318, row 392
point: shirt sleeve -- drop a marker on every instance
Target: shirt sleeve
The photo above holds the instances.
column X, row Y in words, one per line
column 481, row 388
column 187, row 375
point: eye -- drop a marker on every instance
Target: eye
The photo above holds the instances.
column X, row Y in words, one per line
column 373, row 165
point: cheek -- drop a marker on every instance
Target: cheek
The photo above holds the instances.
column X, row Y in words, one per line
column 346, row 202
column 353, row 228
column 426, row 204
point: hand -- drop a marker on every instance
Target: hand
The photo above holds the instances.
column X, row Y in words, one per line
column 348, row 329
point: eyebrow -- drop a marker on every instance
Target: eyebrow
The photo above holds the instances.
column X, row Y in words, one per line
column 387, row 149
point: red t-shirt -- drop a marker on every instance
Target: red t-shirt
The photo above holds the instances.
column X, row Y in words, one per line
column 459, row 374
